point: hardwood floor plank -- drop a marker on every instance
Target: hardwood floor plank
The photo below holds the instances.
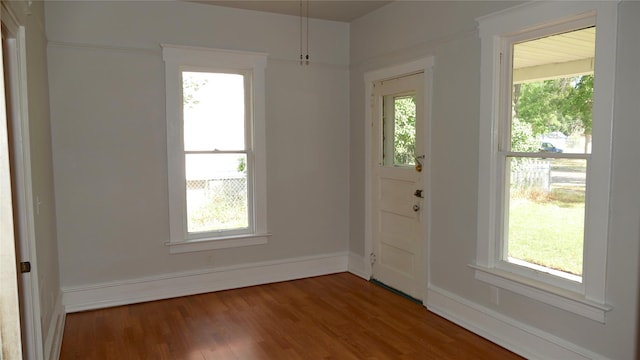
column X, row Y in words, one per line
column 337, row 316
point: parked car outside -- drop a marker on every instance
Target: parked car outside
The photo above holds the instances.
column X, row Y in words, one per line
column 548, row 147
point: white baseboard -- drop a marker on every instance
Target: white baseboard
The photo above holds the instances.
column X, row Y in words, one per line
column 79, row 298
column 515, row 336
column 53, row 338
column 520, row 338
column 356, row 266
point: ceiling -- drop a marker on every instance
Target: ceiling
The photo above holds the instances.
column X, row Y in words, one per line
column 561, row 55
column 336, row 10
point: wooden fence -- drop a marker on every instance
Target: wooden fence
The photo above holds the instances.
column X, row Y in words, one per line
column 531, row 173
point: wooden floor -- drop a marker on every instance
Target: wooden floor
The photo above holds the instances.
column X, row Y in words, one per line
column 336, row 316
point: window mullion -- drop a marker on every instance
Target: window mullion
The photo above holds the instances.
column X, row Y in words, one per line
column 189, row 152
column 506, row 95
column 545, row 155
column 502, row 202
column 248, row 110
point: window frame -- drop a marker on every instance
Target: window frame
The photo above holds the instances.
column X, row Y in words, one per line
column 251, row 65
column 246, row 150
column 496, row 32
column 504, row 152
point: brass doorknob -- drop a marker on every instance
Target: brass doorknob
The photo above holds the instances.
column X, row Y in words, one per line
column 419, row 163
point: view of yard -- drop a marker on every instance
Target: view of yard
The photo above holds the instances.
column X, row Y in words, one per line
column 547, row 228
column 545, row 211
column 217, row 204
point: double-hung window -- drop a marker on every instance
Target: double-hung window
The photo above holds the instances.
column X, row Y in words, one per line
column 215, row 148
column 545, row 152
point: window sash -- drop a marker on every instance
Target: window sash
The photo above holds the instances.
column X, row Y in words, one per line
column 248, row 121
column 503, row 154
column 247, row 76
column 549, row 275
column 250, row 228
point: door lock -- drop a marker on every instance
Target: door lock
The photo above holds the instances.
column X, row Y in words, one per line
column 416, row 207
column 418, row 193
column 419, row 163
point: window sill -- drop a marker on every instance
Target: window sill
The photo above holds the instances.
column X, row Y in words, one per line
column 558, row 297
column 217, row 243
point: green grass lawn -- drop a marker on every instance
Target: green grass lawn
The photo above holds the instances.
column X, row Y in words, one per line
column 547, row 234
column 547, row 229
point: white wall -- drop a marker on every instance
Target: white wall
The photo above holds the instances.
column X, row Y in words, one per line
column 109, row 139
column 403, row 31
column 107, row 108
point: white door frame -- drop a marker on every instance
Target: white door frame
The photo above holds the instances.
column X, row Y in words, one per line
column 425, row 65
column 16, row 60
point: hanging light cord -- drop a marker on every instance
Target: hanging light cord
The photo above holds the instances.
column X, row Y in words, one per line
column 301, row 32
column 304, row 60
column 307, row 59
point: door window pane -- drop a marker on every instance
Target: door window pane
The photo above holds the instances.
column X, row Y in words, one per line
column 399, row 131
column 214, row 111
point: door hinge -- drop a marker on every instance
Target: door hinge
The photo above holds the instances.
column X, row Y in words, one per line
column 25, row 267
column 372, row 258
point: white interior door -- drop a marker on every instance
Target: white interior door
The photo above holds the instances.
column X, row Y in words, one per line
column 14, row 66
column 10, row 338
column 397, row 184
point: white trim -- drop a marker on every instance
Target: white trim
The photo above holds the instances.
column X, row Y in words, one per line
column 494, row 29
column 356, row 266
column 522, row 339
column 424, row 64
column 157, row 51
column 597, row 218
column 217, row 243
column 208, row 57
column 16, row 61
column 554, row 296
column 105, row 48
column 53, row 340
column 96, row 296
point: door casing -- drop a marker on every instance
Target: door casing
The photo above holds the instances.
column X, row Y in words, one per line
column 420, row 65
column 24, row 216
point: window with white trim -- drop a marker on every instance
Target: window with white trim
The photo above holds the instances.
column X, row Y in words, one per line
column 545, row 152
column 215, row 148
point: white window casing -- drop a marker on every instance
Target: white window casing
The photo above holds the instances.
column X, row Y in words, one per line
column 588, row 298
column 252, row 65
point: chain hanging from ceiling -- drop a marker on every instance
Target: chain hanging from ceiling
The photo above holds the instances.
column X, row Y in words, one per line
column 304, row 60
